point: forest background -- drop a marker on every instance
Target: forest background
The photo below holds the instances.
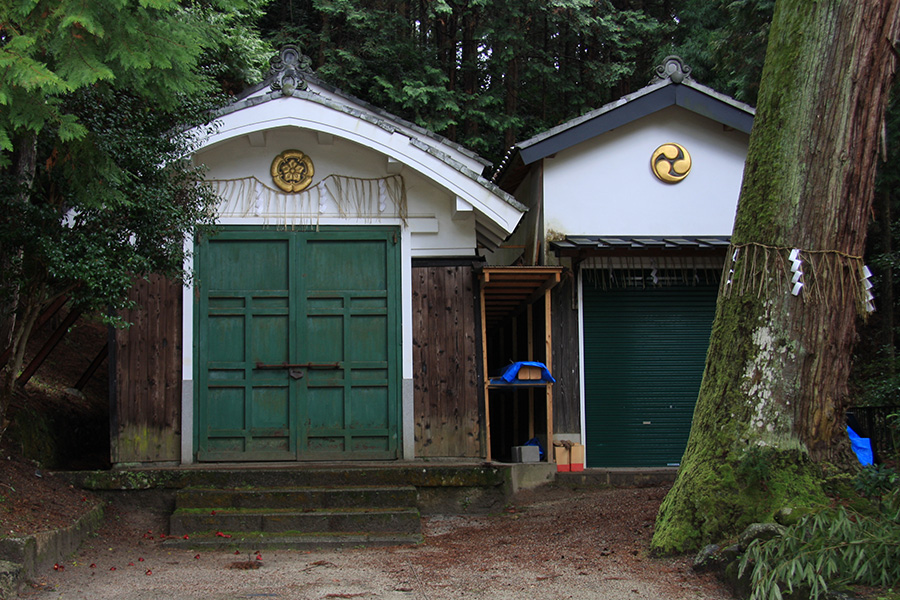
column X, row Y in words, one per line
column 488, row 74
column 484, row 74
column 92, row 196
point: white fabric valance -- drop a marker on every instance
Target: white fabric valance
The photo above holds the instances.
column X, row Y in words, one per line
column 334, row 196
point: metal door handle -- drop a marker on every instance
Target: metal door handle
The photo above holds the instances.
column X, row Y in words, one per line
column 309, row 365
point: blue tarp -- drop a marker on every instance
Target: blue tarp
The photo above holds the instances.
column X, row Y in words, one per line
column 510, row 373
column 862, row 447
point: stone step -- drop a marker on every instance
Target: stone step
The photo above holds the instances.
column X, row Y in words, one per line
column 253, row 542
column 268, row 520
column 305, row 517
column 298, row 498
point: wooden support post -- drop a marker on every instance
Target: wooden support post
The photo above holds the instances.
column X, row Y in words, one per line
column 529, row 311
column 49, row 345
column 548, row 360
column 487, row 378
column 92, row 368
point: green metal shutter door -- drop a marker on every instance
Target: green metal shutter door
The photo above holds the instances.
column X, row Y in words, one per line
column 645, row 350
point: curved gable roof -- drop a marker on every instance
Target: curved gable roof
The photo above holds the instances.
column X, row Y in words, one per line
column 293, row 96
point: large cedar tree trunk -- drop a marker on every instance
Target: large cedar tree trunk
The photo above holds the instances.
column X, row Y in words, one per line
column 771, row 405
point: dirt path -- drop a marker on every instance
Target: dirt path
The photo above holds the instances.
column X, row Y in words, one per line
column 552, row 544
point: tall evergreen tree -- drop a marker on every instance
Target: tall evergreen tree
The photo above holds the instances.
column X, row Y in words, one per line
column 774, row 391
column 725, row 43
column 94, row 190
column 482, row 73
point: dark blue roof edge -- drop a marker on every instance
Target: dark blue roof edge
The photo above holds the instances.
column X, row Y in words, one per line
column 707, row 106
column 684, row 96
column 621, row 115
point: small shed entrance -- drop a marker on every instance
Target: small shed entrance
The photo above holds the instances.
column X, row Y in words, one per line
column 298, row 344
column 513, row 331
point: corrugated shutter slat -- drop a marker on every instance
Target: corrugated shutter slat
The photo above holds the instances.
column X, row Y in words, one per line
column 645, row 351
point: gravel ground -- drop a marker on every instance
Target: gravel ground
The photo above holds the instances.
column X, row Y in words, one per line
column 552, row 543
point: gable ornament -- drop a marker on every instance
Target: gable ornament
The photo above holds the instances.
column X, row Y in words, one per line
column 289, row 70
column 674, row 68
column 670, row 163
column 292, row 171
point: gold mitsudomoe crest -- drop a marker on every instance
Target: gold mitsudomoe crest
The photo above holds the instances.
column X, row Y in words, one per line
column 671, row 163
column 292, row 171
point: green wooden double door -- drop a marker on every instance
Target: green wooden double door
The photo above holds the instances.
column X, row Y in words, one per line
column 298, row 344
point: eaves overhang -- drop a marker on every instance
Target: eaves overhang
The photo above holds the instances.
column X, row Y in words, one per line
column 681, row 95
column 586, row 246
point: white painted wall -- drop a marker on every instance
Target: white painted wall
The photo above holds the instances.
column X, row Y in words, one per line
column 442, row 164
column 434, row 230
column 604, row 186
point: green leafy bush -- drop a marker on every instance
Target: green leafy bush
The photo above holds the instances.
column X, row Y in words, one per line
column 874, row 481
column 831, row 548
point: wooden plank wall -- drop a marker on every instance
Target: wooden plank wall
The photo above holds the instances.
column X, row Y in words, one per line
column 146, row 403
column 566, row 390
column 446, row 346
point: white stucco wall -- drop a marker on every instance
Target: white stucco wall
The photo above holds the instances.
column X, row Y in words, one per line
column 604, row 186
column 434, row 231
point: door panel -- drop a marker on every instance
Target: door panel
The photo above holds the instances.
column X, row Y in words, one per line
column 348, row 408
column 327, row 300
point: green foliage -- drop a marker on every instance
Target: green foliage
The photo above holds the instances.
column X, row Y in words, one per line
column 724, row 41
column 94, row 186
column 93, row 91
column 828, row 549
column 873, row 481
column 116, row 205
column 481, row 73
column 164, row 50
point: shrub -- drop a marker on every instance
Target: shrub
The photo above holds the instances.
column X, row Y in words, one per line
column 831, row 548
column 873, row 481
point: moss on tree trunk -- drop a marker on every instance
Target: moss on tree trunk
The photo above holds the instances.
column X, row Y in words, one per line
column 771, row 405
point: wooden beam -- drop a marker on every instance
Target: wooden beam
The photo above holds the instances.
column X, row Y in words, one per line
column 45, row 316
column 92, row 368
column 487, row 379
column 49, row 345
column 548, row 360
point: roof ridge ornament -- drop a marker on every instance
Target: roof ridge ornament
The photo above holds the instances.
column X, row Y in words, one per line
column 674, row 68
column 289, row 69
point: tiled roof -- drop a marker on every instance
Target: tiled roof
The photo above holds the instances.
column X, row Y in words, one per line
column 603, row 244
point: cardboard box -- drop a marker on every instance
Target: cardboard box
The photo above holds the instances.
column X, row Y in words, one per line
column 561, row 456
column 576, row 457
column 529, row 373
column 526, row 454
